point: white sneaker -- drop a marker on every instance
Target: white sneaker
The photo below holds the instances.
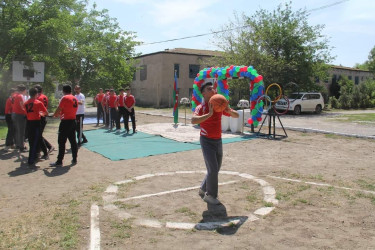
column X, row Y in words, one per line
column 209, row 199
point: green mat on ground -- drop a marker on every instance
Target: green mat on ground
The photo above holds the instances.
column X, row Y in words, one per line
column 121, row 146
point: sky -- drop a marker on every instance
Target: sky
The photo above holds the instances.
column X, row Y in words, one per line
column 349, row 24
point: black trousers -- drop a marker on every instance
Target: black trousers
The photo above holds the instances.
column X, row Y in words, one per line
column 114, row 119
column 10, row 134
column 121, row 113
column 67, row 130
column 99, row 113
column 80, row 127
column 45, row 146
column 126, row 119
column 34, row 130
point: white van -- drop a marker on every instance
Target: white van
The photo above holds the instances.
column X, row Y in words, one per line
column 302, row 102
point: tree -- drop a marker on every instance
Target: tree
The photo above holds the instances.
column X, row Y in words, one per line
column 281, row 45
column 371, row 61
column 77, row 45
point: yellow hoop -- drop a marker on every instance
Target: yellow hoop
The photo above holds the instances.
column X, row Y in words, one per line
column 281, row 93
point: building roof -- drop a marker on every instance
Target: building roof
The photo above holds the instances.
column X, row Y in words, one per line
column 183, row 51
column 348, row 68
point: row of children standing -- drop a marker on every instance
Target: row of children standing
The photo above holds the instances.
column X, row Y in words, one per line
column 113, row 107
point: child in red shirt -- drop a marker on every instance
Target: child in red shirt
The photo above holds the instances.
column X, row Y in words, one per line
column 129, row 110
column 210, row 140
column 9, row 142
column 99, row 107
column 34, row 110
column 67, row 110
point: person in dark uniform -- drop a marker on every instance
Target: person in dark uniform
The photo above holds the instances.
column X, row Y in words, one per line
column 46, row 146
column 34, row 110
column 129, row 110
column 67, row 110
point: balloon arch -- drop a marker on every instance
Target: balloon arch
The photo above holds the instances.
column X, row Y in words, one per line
column 221, row 76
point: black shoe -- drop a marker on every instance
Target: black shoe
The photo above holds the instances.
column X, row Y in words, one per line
column 74, row 162
column 24, row 149
column 134, row 131
column 33, row 166
column 44, row 157
column 51, row 149
column 85, row 141
column 56, row 164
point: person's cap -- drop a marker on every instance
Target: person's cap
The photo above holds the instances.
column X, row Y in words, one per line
column 205, row 84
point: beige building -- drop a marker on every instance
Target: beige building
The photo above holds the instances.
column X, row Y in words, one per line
column 152, row 84
column 356, row 75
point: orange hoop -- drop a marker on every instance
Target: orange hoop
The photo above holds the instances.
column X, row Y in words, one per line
column 280, row 95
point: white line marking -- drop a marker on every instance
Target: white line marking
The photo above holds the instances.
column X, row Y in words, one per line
column 171, row 191
column 94, row 231
column 321, row 184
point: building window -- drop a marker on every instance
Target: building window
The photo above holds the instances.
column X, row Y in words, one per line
column 143, row 72
column 350, row 77
column 317, row 80
column 134, row 75
column 177, row 70
column 334, row 79
column 356, row 80
column 193, row 70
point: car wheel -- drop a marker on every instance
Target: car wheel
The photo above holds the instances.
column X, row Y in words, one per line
column 297, row 110
column 318, row 109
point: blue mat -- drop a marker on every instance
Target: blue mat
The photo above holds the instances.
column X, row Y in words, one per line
column 121, row 146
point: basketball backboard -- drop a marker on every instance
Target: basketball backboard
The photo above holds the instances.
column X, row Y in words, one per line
column 28, row 73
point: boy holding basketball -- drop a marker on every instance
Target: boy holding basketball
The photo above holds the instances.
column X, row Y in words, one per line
column 210, row 140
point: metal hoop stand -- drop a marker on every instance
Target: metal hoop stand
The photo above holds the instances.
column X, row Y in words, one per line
column 271, row 114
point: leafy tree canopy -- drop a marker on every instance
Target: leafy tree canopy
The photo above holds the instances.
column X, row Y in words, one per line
column 80, row 45
column 280, row 44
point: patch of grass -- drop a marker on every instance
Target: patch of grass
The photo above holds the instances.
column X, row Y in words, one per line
column 3, row 129
column 251, row 198
column 122, row 229
column 371, row 197
column 268, row 204
column 185, row 210
column 67, row 221
column 302, row 201
column 122, row 205
column 370, row 117
column 316, row 177
column 291, row 192
column 333, row 136
column 366, row 185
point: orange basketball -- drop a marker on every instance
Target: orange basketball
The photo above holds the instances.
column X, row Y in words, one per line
column 219, row 103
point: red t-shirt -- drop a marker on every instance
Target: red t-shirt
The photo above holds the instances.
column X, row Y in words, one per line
column 33, row 108
column 8, row 105
column 210, row 128
column 99, row 97
column 129, row 100
column 44, row 99
column 68, row 105
column 105, row 99
column 120, row 100
column 18, row 106
column 112, row 101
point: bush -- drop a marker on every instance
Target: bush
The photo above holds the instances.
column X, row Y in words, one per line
column 334, row 102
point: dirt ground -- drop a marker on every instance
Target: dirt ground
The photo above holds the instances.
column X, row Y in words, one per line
column 50, row 208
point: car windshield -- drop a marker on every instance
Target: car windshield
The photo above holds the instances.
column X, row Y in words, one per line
column 295, row 96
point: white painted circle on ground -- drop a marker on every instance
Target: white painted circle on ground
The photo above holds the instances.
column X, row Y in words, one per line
column 110, row 197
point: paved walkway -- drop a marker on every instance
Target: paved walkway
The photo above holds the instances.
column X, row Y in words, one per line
column 326, row 122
